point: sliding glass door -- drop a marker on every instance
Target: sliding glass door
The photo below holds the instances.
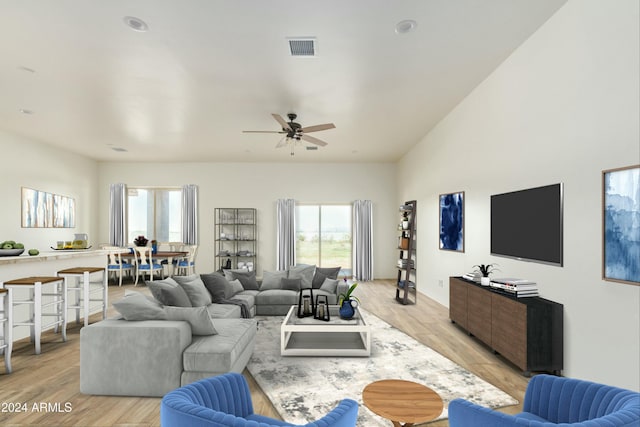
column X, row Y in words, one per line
column 323, row 236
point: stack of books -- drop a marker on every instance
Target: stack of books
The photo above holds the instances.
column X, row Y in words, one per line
column 519, row 288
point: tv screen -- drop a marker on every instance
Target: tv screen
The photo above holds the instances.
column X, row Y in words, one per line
column 527, row 224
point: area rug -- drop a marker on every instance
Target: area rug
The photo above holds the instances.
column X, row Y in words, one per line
column 304, row 389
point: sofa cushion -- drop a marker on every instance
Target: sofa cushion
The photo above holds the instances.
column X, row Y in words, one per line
column 247, row 296
column 304, row 272
column 198, row 318
column 291, row 284
column 323, row 273
column 218, row 286
column 330, row 285
column 236, row 287
column 247, row 278
column 136, row 306
column 224, row 311
column 218, row 353
column 168, row 292
column 195, row 289
column 271, row 279
column 277, row 297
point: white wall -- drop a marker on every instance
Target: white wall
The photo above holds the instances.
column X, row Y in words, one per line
column 259, row 185
column 562, row 108
column 26, row 163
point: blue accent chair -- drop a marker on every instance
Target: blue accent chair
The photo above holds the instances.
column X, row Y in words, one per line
column 225, row 400
column 551, row 401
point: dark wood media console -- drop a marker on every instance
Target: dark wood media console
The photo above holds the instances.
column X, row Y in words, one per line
column 526, row 331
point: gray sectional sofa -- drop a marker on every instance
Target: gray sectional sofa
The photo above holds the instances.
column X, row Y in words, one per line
column 186, row 328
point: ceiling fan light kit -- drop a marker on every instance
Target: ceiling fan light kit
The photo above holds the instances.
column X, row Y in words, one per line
column 294, row 132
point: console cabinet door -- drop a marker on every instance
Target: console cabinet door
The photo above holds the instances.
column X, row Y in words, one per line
column 479, row 313
column 509, row 329
column 458, row 302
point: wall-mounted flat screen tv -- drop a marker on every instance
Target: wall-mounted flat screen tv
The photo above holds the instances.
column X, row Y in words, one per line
column 527, row 224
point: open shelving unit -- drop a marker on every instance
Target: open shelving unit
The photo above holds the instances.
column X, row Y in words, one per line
column 406, row 265
column 236, row 235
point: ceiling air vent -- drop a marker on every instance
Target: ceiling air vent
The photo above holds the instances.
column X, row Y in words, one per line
column 302, row 47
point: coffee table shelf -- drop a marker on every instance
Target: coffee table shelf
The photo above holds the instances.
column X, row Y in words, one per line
column 310, row 337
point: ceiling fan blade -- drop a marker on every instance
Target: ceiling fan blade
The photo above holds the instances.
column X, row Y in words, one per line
column 263, row 131
column 316, row 128
column 313, row 140
column 282, row 121
column 282, row 142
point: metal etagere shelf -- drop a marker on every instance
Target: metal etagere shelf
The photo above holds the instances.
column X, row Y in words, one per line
column 406, row 283
column 236, row 236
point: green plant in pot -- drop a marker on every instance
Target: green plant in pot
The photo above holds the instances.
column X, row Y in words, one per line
column 485, row 270
column 348, row 302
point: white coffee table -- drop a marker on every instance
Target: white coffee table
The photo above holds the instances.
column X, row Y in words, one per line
column 338, row 337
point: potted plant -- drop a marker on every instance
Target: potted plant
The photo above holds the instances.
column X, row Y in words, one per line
column 485, row 270
column 141, row 241
column 348, row 302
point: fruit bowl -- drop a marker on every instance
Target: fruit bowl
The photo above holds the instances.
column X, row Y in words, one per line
column 11, row 252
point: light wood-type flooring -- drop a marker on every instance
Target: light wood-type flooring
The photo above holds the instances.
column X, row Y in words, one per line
column 44, row 390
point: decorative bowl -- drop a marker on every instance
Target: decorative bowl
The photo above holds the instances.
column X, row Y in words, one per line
column 11, row 252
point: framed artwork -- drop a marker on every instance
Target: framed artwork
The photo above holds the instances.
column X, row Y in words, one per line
column 47, row 210
column 451, row 233
column 621, row 225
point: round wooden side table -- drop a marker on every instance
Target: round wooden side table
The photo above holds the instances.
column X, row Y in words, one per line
column 402, row 401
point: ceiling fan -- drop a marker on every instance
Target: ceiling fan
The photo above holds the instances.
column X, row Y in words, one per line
column 294, row 132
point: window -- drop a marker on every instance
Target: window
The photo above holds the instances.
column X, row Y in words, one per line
column 323, row 236
column 155, row 213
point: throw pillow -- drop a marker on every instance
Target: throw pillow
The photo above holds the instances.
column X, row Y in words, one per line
column 218, row 286
column 198, row 318
column 168, row 292
column 272, row 279
column 246, row 277
column 195, row 289
column 329, row 285
column 236, row 286
column 303, row 272
column 291, row 284
column 136, row 306
column 323, row 273
column 228, row 273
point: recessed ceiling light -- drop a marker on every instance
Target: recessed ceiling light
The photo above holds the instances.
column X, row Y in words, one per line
column 26, row 111
column 136, row 24
column 406, row 26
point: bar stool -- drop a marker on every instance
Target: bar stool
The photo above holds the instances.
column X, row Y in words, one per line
column 36, row 304
column 6, row 339
column 84, row 291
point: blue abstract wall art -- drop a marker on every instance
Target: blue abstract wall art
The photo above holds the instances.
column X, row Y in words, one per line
column 43, row 209
column 621, row 224
column 452, row 222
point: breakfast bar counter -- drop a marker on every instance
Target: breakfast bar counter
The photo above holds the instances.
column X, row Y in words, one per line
column 47, row 263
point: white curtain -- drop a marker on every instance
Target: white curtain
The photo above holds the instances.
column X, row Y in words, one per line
column 117, row 212
column 362, row 240
column 190, row 214
column 286, row 233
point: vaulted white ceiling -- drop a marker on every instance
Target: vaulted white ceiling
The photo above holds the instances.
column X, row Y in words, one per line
column 208, row 69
